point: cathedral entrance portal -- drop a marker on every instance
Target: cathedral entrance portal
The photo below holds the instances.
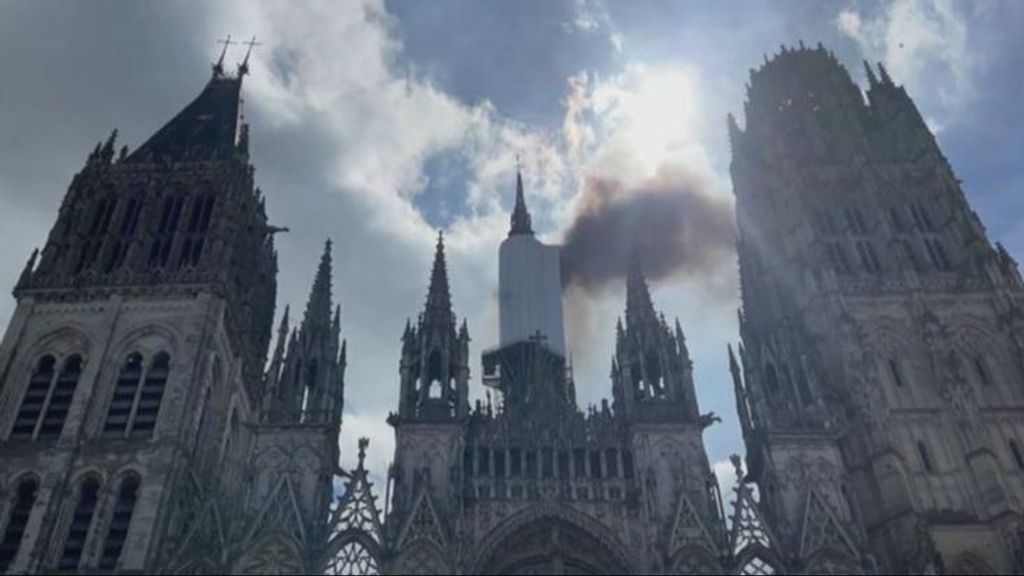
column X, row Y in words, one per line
column 551, row 545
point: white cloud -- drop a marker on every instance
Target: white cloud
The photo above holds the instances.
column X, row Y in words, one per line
column 923, row 43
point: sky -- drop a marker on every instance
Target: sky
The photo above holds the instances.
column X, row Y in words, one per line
column 377, row 123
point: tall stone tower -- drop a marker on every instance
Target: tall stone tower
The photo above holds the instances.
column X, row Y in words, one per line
column 527, row 483
column 881, row 391
column 138, row 430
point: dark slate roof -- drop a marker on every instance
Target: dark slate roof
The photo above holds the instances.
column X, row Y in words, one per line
column 205, row 130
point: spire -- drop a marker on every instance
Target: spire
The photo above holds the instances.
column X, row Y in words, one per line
column 885, row 74
column 318, row 309
column 205, row 130
column 872, row 80
column 218, row 67
column 638, row 297
column 243, row 68
column 521, row 222
column 438, row 297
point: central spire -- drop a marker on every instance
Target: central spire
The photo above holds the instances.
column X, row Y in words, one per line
column 639, row 306
column 521, row 223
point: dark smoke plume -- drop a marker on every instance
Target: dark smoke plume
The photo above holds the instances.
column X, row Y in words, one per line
column 668, row 221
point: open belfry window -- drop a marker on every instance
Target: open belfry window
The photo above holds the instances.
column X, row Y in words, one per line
column 120, row 520
column 47, row 400
column 24, row 500
column 81, row 521
column 137, row 396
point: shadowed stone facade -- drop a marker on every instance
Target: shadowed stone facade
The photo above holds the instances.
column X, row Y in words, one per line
column 880, row 376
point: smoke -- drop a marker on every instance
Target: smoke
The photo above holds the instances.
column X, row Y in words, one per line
column 670, row 221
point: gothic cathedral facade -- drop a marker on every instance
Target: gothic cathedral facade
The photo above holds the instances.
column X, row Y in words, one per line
column 143, row 427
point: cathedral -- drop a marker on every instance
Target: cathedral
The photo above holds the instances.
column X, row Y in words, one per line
column 154, row 420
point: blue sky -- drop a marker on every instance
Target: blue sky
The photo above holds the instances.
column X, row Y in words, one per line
column 375, row 123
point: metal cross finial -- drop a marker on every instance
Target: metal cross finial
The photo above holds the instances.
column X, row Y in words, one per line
column 218, row 68
column 243, row 68
column 538, row 337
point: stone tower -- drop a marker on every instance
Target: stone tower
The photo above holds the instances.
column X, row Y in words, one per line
column 138, row 430
column 879, row 383
column 527, row 482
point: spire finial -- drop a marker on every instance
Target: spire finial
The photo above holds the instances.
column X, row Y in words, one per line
column 364, row 442
column 243, row 68
column 218, row 68
column 638, row 296
column 521, row 221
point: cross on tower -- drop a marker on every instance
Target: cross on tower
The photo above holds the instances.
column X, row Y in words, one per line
column 538, row 337
column 243, row 68
column 218, row 68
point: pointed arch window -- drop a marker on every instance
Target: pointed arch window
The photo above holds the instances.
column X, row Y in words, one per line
column 195, row 234
column 163, row 236
column 125, row 232
column 98, row 227
column 1018, row 458
column 47, row 399
column 926, row 458
column 937, row 253
column 24, row 500
column 138, row 394
column 120, row 521
column 81, row 521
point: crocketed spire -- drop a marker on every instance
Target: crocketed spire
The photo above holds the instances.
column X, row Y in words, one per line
column 521, row 222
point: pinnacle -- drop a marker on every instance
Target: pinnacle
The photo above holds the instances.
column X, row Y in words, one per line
column 318, row 309
column 521, row 221
column 638, row 297
column 438, row 295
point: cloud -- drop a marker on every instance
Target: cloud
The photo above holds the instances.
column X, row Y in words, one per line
column 923, row 43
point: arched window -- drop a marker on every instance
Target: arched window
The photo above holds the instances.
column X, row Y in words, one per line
column 163, row 236
column 134, row 407
column 654, row 374
column 16, row 522
column 47, row 399
column 81, row 521
column 926, row 459
column 151, row 396
column 120, row 520
column 60, row 398
column 195, row 234
column 98, row 227
column 35, row 396
column 125, row 233
column 1017, row 457
column 434, row 375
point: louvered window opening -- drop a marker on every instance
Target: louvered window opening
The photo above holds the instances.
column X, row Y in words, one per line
column 47, row 399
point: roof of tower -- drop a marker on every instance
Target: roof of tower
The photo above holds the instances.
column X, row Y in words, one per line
column 788, row 70
column 438, row 296
column 521, row 221
column 318, row 309
column 205, row 130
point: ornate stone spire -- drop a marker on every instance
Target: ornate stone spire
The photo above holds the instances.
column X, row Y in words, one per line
column 318, row 309
column 521, row 222
column 639, row 307
column 439, row 303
